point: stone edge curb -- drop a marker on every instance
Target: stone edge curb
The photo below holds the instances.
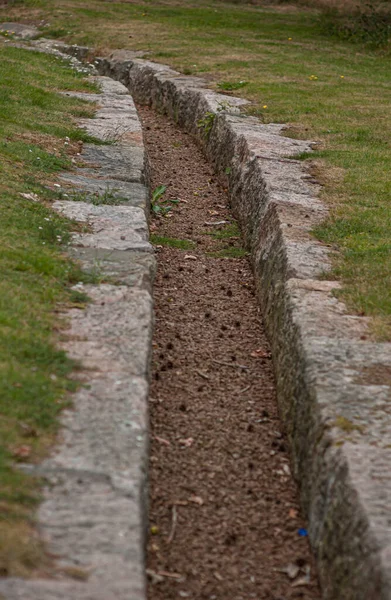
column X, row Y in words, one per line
column 93, row 518
column 333, row 384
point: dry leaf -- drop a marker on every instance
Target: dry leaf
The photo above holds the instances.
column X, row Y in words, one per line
column 154, row 577
column 190, row 257
column 162, row 440
column 28, row 430
column 196, row 500
column 260, row 353
column 187, row 442
column 301, row 581
column 31, row 196
column 22, row 452
column 291, row 570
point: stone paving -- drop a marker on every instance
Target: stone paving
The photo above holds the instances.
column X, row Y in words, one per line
column 93, row 518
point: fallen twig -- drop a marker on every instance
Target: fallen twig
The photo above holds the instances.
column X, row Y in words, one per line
column 244, row 389
column 201, row 374
column 210, row 223
column 173, row 524
column 161, row 440
column 166, row 574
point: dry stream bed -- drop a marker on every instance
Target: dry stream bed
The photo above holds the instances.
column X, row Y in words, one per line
column 224, row 516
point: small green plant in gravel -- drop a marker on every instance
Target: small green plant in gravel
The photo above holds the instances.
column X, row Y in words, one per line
column 108, row 197
column 227, row 232
column 161, row 206
column 160, row 240
column 78, row 298
column 206, row 123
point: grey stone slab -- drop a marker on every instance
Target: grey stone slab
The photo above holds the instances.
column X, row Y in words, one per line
column 131, row 268
column 119, row 162
column 79, row 53
column 113, row 227
column 20, row 30
column 124, row 348
column 117, row 171
column 333, row 385
column 127, row 193
column 116, row 116
column 17, row 589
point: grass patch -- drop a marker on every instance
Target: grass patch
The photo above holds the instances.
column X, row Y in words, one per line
column 229, row 86
column 230, row 252
column 36, row 133
column 108, row 197
column 225, row 233
column 160, row 240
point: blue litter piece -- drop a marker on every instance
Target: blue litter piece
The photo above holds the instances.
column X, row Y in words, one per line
column 302, row 532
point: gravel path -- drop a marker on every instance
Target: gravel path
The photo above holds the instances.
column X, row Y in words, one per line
column 225, row 522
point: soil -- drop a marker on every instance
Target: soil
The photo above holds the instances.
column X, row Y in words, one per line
column 224, row 517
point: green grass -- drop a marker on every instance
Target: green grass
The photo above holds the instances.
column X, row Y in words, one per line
column 225, row 233
column 229, row 86
column 36, row 127
column 345, row 105
column 161, row 240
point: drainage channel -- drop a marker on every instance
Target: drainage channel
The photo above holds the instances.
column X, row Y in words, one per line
column 224, row 515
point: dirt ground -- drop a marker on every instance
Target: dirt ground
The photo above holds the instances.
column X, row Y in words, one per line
column 224, row 517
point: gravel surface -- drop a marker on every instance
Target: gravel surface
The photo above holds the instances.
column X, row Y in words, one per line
column 224, row 518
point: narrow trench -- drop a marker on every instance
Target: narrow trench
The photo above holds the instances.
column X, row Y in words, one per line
column 224, row 516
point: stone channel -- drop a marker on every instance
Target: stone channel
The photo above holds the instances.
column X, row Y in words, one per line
column 332, row 381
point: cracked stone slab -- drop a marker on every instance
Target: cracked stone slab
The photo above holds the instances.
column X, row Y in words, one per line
column 131, row 268
column 121, row 340
column 90, row 188
column 123, row 163
column 113, row 227
column 116, row 116
column 117, row 171
column 334, row 386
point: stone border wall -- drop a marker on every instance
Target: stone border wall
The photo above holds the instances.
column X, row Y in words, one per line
column 333, row 384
